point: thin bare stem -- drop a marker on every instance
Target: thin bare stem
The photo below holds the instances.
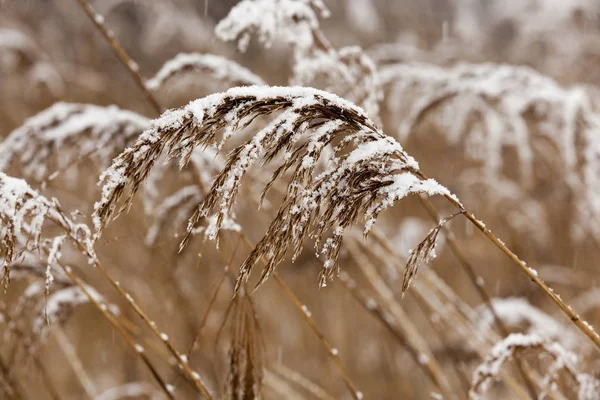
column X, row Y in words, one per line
column 301, row 381
column 127, row 61
column 75, row 363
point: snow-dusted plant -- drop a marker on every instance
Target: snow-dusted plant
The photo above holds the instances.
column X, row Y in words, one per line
column 66, row 133
column 367, row 173
column 349, row 72
column 514, row 346
column 227, row 72
column 60, row 305
column 24, row 213
column 519, row 315
column 489, row 106
column 294, row 21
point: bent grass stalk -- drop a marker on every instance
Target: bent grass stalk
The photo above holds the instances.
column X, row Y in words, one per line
column 482, row 292
column 133, row 68
column 583, row 325
column 431, row 294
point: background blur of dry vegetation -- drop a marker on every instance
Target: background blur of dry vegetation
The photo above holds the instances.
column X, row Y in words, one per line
column 496, row 99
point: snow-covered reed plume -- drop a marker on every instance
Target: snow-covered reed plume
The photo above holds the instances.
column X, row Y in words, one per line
column 519, row 315
column 64, row 133
column 489, row 107
column 227, row 72
column 514, row 346
column 293, row 21
column 349, row 72
column 49, row 310
column 367, row 173
column 23, row 213
column 59, row 306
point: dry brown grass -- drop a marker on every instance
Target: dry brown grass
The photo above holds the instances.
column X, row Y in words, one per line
column 382, row 310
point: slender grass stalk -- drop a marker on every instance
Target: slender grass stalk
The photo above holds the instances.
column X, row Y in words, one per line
column 127, row 61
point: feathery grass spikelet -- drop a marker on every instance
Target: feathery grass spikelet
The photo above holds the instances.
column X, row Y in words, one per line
column 367, row 173
column 70, row 130
column 216, row 67
column 23, row 213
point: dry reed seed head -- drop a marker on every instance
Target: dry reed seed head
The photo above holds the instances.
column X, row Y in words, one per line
column 423, row 253
column 23, row 213
column 367, row 173
column 349, row 72
column 505, row 99
column 68, row 130
column 513, row 107
column 216, row 67
column 515, row 344
column 293, row 21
